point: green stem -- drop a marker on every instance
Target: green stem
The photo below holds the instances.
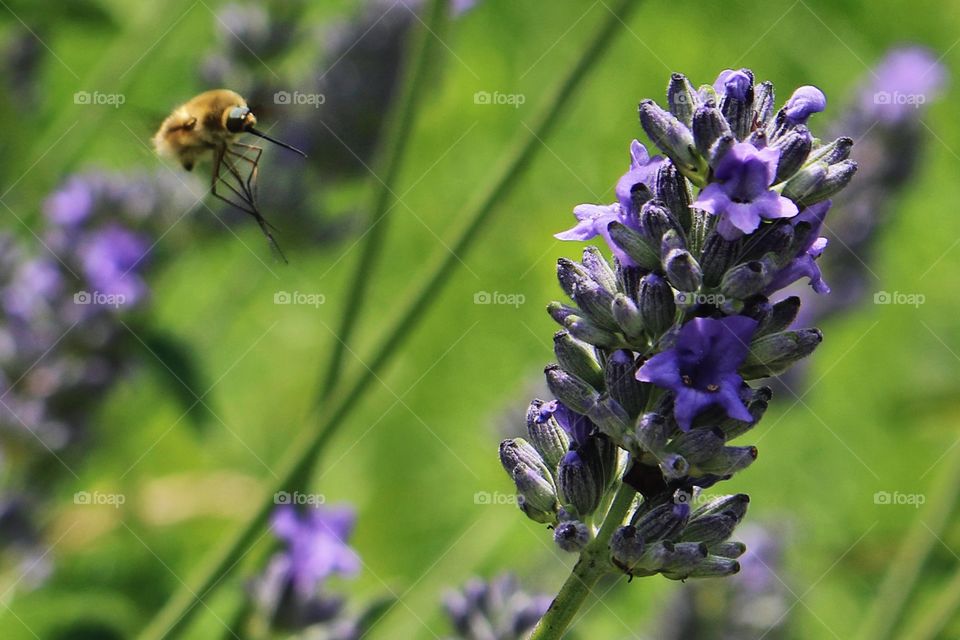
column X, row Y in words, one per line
column 905, row 570
column 302, row 453
column 932, row 622
column 399, row 133
column 593, row 564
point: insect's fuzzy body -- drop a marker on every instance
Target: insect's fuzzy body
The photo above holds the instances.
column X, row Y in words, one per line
column 199, row 126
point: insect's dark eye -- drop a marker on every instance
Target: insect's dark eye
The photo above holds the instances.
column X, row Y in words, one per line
column 236, row 118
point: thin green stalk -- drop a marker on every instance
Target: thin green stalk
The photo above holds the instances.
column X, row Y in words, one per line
column 902, row 576
column 302, row 454
column 932, row 622
column 593, row 564
column 392, row 154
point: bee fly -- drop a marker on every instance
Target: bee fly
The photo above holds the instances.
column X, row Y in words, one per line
column 210, row 124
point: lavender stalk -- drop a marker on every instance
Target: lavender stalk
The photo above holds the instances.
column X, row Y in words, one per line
column 656, row 351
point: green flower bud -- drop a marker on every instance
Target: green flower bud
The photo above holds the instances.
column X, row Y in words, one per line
column 578, row 358
column 635, row 246
column 570, row 390
column 772, row 354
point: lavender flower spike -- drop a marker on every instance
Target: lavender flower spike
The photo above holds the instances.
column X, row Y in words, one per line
column 689, row 314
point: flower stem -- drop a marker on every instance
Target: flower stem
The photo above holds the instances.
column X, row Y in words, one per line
column 303, row 452
column 906, row 567
column 593, row 564
column 398, row 134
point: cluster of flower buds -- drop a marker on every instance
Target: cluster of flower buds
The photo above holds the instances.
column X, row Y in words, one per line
column 657, row 349
column 494, row 610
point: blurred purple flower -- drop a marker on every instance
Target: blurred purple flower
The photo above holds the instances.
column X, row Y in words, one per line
column 316, row 545
column 904, row 81
column 109, row 258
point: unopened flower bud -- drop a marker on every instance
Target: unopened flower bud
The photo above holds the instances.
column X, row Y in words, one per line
column 764, row 101
column 635, row 246
column 570, row 390
column 729, row 549
column 656, row 302
column 682, row 98
column 621, row 382
column 628, row 317
column 711, row 529
column 697, row 444
column 652, row 432
column 745, row 280
column 711, row 566
column 598, row 268
column 832, row 153
column 772, row 354
column 674, row 139
column 663, row 522
column 546, row 435
column 578, row 485
column 674, row 191
column 571, row 536
column 626, row 547
column 682, row 270
column 781, row 316
column 578, row 358
column 655, row 221
column 730, row 460
column 708, row 126
column 586, row 331
column 794, row 150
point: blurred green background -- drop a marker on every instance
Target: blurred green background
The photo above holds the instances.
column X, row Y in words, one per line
column 880, row 413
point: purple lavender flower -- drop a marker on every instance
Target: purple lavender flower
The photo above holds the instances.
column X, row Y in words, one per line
column 804, row 102
column 643, row 170
column 741, row 195
column 805, row 265
column 71, row 204
column 289, row 594
column 109, row 258
column 733, row 83
column 578, row 427
column 494, row 610
column 701, row 368
column 317, row 548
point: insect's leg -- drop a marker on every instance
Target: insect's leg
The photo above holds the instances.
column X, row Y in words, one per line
column 254, row 162
column 249, row 207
